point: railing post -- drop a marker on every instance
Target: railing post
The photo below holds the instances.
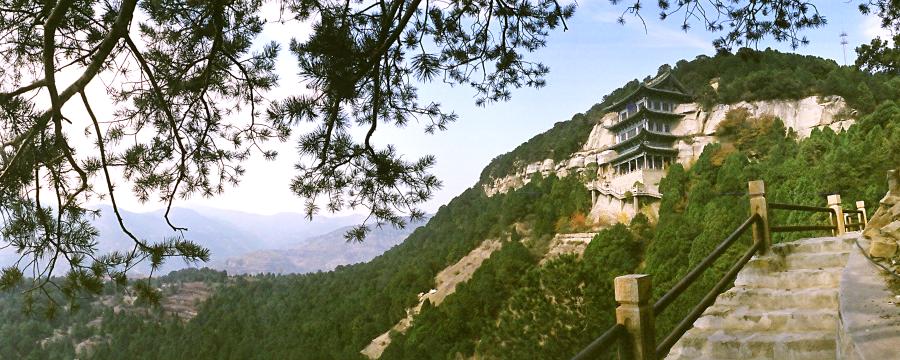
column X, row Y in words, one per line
column 863, row 217
column 635, row 313
column 759, row 207
column 834, row 202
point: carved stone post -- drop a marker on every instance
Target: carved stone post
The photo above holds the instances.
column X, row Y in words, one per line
column 759, row 206
column 834, row 202
column 635, row 313
column 893, row 178
column 863, row 217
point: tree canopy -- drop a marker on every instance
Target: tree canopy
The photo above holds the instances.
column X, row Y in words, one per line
column 190, row 89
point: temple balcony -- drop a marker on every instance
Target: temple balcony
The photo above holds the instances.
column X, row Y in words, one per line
column 643, row 182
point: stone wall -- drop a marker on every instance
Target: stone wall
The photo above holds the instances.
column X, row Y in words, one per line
column 884, row 226
column 868, row 327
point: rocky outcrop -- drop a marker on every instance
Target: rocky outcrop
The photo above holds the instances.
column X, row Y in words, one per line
column 573, row 243
column 802, row 115
column 698, row 127
column 884, row 226
column 695, row 130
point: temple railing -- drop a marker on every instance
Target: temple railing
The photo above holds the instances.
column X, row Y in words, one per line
column 635, row 328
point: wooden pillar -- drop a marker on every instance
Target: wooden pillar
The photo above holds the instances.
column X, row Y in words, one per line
column 635, row 313
column 834, row 202
column 863, row 217
column 759, row 206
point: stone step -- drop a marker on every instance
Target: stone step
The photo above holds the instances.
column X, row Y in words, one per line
column 829, row 277
column 776, row 262
column 743, row 345
column 783, row 306
column 786, row 320
column 815, row 245
column 776, row 299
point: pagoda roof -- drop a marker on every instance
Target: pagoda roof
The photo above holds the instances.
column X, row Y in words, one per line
column 644, row 134
column 641, row 110
column 643, row 147
column 656, row 85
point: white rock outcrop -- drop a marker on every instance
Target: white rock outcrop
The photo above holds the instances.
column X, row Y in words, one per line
column 802, row 115
column 695, row 130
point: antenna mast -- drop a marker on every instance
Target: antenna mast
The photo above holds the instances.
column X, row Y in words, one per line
column 844, row 45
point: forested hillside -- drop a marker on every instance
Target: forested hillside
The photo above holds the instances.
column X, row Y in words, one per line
column 34, row 329
column 515, row 308
column 748, row 75
column 335, row 314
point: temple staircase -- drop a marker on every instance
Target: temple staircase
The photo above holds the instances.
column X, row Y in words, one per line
column 784, row 305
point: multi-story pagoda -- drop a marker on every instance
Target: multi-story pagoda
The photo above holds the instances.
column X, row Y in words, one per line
column 643, row 129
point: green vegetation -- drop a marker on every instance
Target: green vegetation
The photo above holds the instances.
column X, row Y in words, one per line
column 750, row 75
column 565, row 303
column 336, row 314
column 747, row 75
column 560, row 307
column 565, row 138
column 512, row 307
column 457, row 324
column 49, row 331
column 699, row 209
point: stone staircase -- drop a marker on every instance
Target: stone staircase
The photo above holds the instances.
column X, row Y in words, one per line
column 783, row 306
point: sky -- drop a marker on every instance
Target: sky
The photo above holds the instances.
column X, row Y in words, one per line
column 595, row 56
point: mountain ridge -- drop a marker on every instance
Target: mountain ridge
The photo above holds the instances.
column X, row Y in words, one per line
column 319, row 253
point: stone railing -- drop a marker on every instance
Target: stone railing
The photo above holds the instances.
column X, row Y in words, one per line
column 635, row 327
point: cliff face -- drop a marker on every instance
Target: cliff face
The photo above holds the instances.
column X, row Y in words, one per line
column 698, row 128
column 695, row 130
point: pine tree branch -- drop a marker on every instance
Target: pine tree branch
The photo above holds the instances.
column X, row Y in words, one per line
column 119, row 29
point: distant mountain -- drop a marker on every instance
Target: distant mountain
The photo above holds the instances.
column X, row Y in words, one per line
column 226, row 233
column 281, row 229
column 323, row 252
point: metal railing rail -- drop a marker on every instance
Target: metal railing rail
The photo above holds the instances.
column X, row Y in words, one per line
column 781, row 206
column 635, row 324
column 688, row 279
column 796, row 228
column 725, row 282
column 601, row 343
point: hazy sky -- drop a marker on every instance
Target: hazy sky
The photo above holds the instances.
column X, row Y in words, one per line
column 594, row 57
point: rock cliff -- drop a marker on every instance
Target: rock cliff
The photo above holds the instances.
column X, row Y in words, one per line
column 884, row 228
column 695, row 130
